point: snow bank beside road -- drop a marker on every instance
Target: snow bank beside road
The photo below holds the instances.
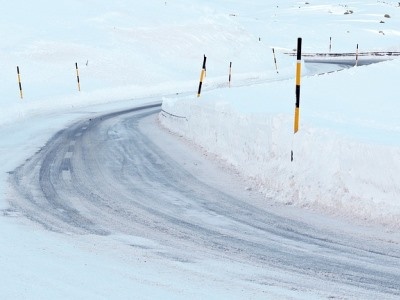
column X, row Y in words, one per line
column 346, row 154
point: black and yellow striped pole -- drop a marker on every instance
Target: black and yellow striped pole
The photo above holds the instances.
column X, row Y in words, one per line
column 203, row 71
column 230, row 74
column 276, row 65
column 298, row 78
column 77, row 76
column 19, row 83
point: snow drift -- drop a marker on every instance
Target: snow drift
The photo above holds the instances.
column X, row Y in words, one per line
column 346, row 154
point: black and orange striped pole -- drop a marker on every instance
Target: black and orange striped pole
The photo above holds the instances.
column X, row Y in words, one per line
column 230, row 74
column 298, row 79
column 19, row 83
column 203, row 72
column 77, row 76
column 276, row 65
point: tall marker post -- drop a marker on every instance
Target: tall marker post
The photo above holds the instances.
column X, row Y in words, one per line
column 77, row 76
column 19, row 83
column 276, row 66
column 298, row 79
column 203, row 71
column 330, row 44
column 230, row 74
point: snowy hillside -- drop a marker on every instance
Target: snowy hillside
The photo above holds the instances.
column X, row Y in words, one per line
column 133, row 53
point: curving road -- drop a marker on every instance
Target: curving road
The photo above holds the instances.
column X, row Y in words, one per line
column 109, row 175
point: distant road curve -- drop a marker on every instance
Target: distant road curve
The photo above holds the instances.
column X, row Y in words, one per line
column 349, row 58
column 106, row 175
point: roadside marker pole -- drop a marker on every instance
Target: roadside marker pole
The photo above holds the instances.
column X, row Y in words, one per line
column 230, row 73
column 330, row 44
column 298, row 77
column 276, row 66
column 19, row 83
column 203, row 71
column 205, row 67
column 357, row 56
column 77, row 76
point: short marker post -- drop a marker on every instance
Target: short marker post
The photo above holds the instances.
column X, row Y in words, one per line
column 77, row 76
column 19, row 83
column 357, row 56
column 298, row 79
column 276, row 66
column 330, row 44
column 230, row 74
column 203, row 71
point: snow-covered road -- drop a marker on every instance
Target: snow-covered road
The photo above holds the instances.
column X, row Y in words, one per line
column 119, row 173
